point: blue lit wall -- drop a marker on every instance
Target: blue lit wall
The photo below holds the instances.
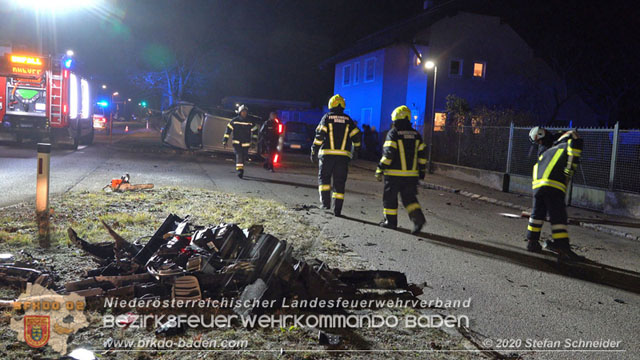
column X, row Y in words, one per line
column 362, row 95
column 417, row 88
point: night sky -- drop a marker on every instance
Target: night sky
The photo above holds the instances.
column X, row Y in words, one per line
column 272, row 49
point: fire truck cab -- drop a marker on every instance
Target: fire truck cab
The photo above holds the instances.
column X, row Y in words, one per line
column 41, row 98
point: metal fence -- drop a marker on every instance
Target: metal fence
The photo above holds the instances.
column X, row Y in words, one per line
column 610, row 159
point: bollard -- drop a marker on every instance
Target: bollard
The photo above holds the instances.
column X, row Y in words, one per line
column 42, row 194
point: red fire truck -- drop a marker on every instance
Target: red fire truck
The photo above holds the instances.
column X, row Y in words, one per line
column 41, row 97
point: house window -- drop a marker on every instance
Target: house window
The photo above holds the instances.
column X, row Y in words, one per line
column 366, row 116
column 346, row 75
column 479, row 69
column 440, row 121
column 455, row 67
column 356, row 73
column 369, row 69
column 416, row 61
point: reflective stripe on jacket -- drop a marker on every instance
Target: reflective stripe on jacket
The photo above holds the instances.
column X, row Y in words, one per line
column 336, row 134
column 403, row 153
column 556, row 165
column 244, row 131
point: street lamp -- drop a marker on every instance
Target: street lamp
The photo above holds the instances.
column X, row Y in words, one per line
column 129, row 99
column 116, row 93
column 104, row 86
column 69, row 52
column 431, row 65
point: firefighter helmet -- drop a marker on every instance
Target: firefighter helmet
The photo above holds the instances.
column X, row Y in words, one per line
column 242, row 108
column 537, row 133
column 335, row 101
column 401, row 112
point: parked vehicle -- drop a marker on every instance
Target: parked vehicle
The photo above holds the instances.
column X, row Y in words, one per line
column 42, row 98
column 188, row 127
column 298, row 136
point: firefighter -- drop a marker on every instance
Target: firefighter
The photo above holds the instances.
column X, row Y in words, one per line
column 337, row 140
column 244, row 134
column 551, row 175
column 269, row 136
column 403, row 162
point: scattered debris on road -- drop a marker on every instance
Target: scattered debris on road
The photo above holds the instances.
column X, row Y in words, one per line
column 187, row 261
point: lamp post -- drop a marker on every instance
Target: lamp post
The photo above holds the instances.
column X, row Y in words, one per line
column 111, row 116
column 432, row 65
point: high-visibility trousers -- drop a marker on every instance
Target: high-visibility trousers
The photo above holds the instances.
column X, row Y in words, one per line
column 407, row 187
column 334, row 167
column 549, row 201
column 242, row 155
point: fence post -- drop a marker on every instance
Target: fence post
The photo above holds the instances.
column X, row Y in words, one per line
column 459, row 143
column 510, row 149
column 614, row 155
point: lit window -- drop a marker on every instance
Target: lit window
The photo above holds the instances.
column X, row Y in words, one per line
column 346, row 75
column 356, row 72
column 479, row 70
column 369, row 69
column 455, row 67
column 440, row 121
column 416, row 61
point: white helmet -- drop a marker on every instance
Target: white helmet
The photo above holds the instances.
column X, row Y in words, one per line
column 242, row 108
column 537, row 133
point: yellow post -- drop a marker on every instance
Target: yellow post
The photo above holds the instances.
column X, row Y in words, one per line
column 42, row 194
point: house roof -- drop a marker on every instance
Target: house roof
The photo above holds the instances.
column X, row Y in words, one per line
column 406, row 30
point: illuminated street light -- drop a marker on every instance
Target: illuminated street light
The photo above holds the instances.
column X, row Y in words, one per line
column 69, row 52
column 432, row 65
column 129, row 99
column 104, row 86
column 116, row 93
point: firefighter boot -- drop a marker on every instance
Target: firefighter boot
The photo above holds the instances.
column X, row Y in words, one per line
column 563, row 249
column 418, row 220
column 325, row 199
column 337, row 207
column 240, row 173
column 390, row 222
column 534, row 246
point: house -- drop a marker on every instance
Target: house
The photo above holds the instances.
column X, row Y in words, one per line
column 477, row 57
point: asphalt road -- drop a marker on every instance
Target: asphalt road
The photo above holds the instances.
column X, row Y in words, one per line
column 467, row 249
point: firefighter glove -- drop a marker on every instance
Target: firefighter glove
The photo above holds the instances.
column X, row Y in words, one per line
column 379, row 174
column 314, row 157
column 568, row 172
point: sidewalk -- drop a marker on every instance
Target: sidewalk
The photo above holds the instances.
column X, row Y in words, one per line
column 517, row 202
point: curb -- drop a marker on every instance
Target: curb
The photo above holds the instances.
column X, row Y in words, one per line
column 511, row 205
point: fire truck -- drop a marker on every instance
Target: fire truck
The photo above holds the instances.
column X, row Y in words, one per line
column 41, row 97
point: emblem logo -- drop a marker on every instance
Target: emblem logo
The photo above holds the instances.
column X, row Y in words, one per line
column 36, row 330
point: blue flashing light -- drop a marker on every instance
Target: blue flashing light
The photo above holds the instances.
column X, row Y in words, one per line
column 103, row 103
column 67, row 63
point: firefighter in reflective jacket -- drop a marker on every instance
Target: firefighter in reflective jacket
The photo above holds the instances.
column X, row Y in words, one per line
column 244, row 133
column 403, row 162
column 551, row 175
column 337, row 140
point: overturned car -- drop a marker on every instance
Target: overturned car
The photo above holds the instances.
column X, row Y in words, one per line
column 189, row 127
